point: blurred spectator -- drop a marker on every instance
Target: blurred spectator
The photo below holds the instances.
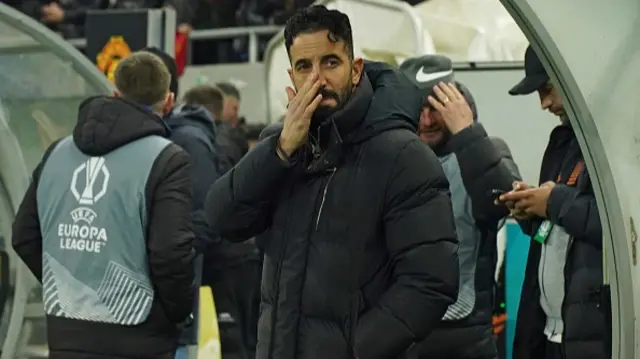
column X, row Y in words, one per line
column 231, row 139
column 231, row 269
column 231, row 103
column 259, row 12
column 252, row 131
column 207, row 96
column 68, row 17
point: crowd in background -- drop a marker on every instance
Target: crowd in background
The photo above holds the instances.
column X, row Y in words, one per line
column 67, row 17
column 232, row 270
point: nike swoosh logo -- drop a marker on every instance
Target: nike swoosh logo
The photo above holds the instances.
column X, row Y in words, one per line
column 423, row 77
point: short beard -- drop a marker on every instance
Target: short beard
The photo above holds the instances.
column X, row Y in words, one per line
column 441, row 144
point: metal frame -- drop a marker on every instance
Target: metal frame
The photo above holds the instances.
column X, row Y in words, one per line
column 65, row 51
column 609, row 207
column 14, row 161
column 55, row 44
column 278, row 39
column 252, row 32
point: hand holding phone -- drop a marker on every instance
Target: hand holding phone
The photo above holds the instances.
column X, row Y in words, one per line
column 495, row 194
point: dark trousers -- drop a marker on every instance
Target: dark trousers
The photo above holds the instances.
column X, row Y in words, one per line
column 553, row 351
column 234, row 292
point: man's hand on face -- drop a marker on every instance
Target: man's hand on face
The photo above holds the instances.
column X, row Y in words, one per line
column 530, row 201
column 298, row 117
column 453, row 107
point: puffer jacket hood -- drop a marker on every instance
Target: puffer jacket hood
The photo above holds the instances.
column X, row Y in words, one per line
column 106, row 123
column 395, row 102
column 190, row 115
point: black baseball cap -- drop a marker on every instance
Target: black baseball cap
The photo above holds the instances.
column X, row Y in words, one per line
column 535, row 75
column 427, row 71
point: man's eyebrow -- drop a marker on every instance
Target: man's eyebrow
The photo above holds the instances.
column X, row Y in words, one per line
column 331, row 56
column 301, row 61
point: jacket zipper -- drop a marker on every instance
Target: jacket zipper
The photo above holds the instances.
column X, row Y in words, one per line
column 324, row 197
column 283, row 248
column 274, row 309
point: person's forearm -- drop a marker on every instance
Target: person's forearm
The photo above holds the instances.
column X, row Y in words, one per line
column 239, row 203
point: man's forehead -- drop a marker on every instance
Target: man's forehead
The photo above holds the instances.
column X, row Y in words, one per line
column 316, row 44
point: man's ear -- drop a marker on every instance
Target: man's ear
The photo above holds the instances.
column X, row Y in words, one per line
column 168, row 103
column 356, row 70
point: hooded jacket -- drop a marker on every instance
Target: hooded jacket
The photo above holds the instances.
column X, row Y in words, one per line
column 585, row 306
column 360, row 257
column 474, row 164
column 106, row 124
column 210, row 144
column 192, row 128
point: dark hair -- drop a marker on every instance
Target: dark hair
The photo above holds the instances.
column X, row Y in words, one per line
column 170, row 62
column 228, row 89
column 318, row 18
column 205, row 95
column 142, row 78
column 253, row 131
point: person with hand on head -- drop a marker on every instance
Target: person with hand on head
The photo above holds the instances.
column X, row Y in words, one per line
column 105, row 225
column 475, row 164
column 354, row 211
column 564, row 303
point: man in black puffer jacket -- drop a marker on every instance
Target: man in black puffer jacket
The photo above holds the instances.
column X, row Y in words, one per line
column 360, row 257
column 564, row 312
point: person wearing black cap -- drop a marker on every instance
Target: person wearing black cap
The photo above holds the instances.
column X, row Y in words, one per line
column 474, row 164
column 561, row 313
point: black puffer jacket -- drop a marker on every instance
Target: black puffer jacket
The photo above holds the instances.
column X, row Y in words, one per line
column 361, row 247
column 572, row 206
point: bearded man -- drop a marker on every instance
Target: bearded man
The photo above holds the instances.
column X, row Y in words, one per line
column 360, row 244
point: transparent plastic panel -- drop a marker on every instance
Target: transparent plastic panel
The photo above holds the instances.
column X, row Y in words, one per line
column 40, row 94
column 7, row 267
column 592, row 52
column 43, row 79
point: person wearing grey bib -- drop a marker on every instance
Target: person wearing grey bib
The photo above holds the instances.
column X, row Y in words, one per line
column 105, row 225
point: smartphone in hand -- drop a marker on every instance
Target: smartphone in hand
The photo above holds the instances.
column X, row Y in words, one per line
column 496, row 193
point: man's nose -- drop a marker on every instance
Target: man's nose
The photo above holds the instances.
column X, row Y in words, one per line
column 546, row 102
column 322, row 78
column 425, row 119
